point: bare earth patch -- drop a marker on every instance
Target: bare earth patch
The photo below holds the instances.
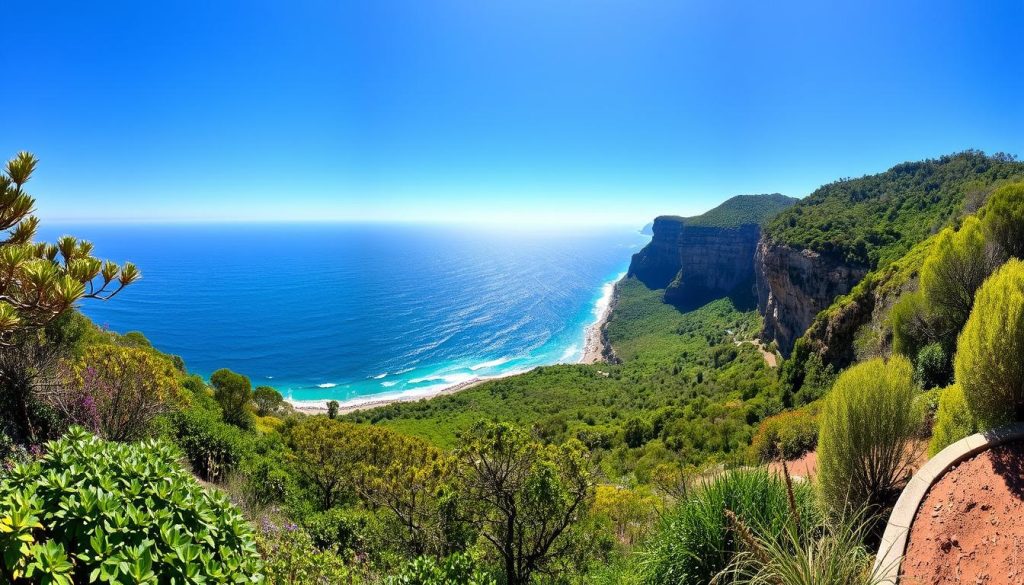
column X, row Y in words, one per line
column 970, row 526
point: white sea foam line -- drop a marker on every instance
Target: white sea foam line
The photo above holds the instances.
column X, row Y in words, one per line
column 326, row 385
column 490, row 364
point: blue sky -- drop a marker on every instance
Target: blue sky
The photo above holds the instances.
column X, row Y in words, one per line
column 526, row 110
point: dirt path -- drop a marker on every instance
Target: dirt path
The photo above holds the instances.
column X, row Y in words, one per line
column 769, row 357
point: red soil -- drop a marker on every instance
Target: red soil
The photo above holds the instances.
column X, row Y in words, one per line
column 969, row 527
column 802, row 467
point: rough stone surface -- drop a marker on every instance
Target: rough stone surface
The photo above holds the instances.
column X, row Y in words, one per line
column 697, row 263
column 795, row 285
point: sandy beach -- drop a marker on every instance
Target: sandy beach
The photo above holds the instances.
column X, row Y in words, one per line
column 593, row 352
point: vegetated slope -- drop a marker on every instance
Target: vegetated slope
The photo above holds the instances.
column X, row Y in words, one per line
column 819, row 249
column 709, row 256
column 741, row 210
column 876, row 219
column 684, row 392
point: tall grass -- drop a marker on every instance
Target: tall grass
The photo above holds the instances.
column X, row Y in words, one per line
column 694, row 542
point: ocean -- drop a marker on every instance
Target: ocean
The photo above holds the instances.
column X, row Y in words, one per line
column 358, row 312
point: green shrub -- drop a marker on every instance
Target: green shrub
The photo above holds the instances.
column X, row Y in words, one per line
column 867, row 424
column 336, row 529
column 213, row 448
column 1003, row 219
column 457, row 569
column 787, row 435
column 933, row 367
column 913, row 325
column 693, row 543
column 989, row 361
column 957, row 265
column 953, row 420
column 89, row 510
column 290, row 558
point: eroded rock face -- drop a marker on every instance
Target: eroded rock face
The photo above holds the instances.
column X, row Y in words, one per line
column 793, row 286
column 695, row 264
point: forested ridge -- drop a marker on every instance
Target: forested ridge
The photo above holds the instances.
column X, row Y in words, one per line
column 119, row 466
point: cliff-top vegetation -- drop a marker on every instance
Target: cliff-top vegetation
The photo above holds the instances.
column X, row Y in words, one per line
column 739, row 210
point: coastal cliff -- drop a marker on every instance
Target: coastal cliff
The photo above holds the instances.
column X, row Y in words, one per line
column 701, row 258
column 794, row 285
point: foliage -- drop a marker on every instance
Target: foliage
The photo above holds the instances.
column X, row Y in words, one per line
column 874, row 220
column 336, row 529
column 867, row 424
column 958, row 264
column 627, row 513
column 93, row 511
column 290, row 558
column 267, row 400
column 694, row 543
column 457, row 569
column 326, row 455
column 1003, row 219
column 117, row 391
column 524, row 497
column 953, row 421
column 786, row 435
column 234, row 393
column 739, row 210
column 332, row 409
column 828, row 553
column 989, row 362
column 213, row 448
column 933, row 366
column 39, row 281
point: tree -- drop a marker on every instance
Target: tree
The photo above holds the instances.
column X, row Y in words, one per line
column 267, row 400
column 866, row 427
column 332, row 409
column 525, row 497
column 989, row 362
column 117, row 391
column 327, row 453
column 958, row 264
column 234, row 393
column 39, row 281
column 1003, row 219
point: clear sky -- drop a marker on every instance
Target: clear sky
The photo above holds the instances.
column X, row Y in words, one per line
column 567, row 110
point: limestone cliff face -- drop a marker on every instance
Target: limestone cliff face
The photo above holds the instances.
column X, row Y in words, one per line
column 794, row 285
column 697, row 263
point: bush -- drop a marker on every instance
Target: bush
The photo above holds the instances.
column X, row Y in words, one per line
column 1003, row 219
column 867, row 424
column 89, row 510
column 957, row 265
column 336, row 529
column 458, row 569
column 989, row 362
column 267, row 400
column 234, row 394
column 913, row 325
column 213, row 448
column 933, row 367
column 785, row 436
column 290, row 558
column 694, row 544
column 953, row 421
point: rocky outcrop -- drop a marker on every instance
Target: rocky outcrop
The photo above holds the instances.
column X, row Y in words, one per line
column 695, row 264
column 794, row 285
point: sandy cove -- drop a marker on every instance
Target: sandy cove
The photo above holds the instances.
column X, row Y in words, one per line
column 593, row 353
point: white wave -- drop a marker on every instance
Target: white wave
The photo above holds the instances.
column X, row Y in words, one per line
column 389, row 384
column 326, row 385
column 491, row 364
column 379, row 376
column 569, row 353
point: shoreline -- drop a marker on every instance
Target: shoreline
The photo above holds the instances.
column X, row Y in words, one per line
column 593, row 352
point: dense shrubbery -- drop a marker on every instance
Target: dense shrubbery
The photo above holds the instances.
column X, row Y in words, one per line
column 787, row 435
column 867, row 424
column 741, row 210
column 953, row 419
column 876, row 219
column 89, row 510
column 990, row 355
column 694, row 542
column 457, row 569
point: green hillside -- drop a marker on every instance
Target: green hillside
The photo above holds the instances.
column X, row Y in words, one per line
column 740, row 210
column 876, row 219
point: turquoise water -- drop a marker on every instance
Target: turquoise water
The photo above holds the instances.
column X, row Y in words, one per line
column 346, row 311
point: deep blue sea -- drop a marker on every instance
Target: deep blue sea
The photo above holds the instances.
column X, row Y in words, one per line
column 345, row 311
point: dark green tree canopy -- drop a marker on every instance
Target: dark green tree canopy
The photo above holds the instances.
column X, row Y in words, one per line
column 234, row 393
